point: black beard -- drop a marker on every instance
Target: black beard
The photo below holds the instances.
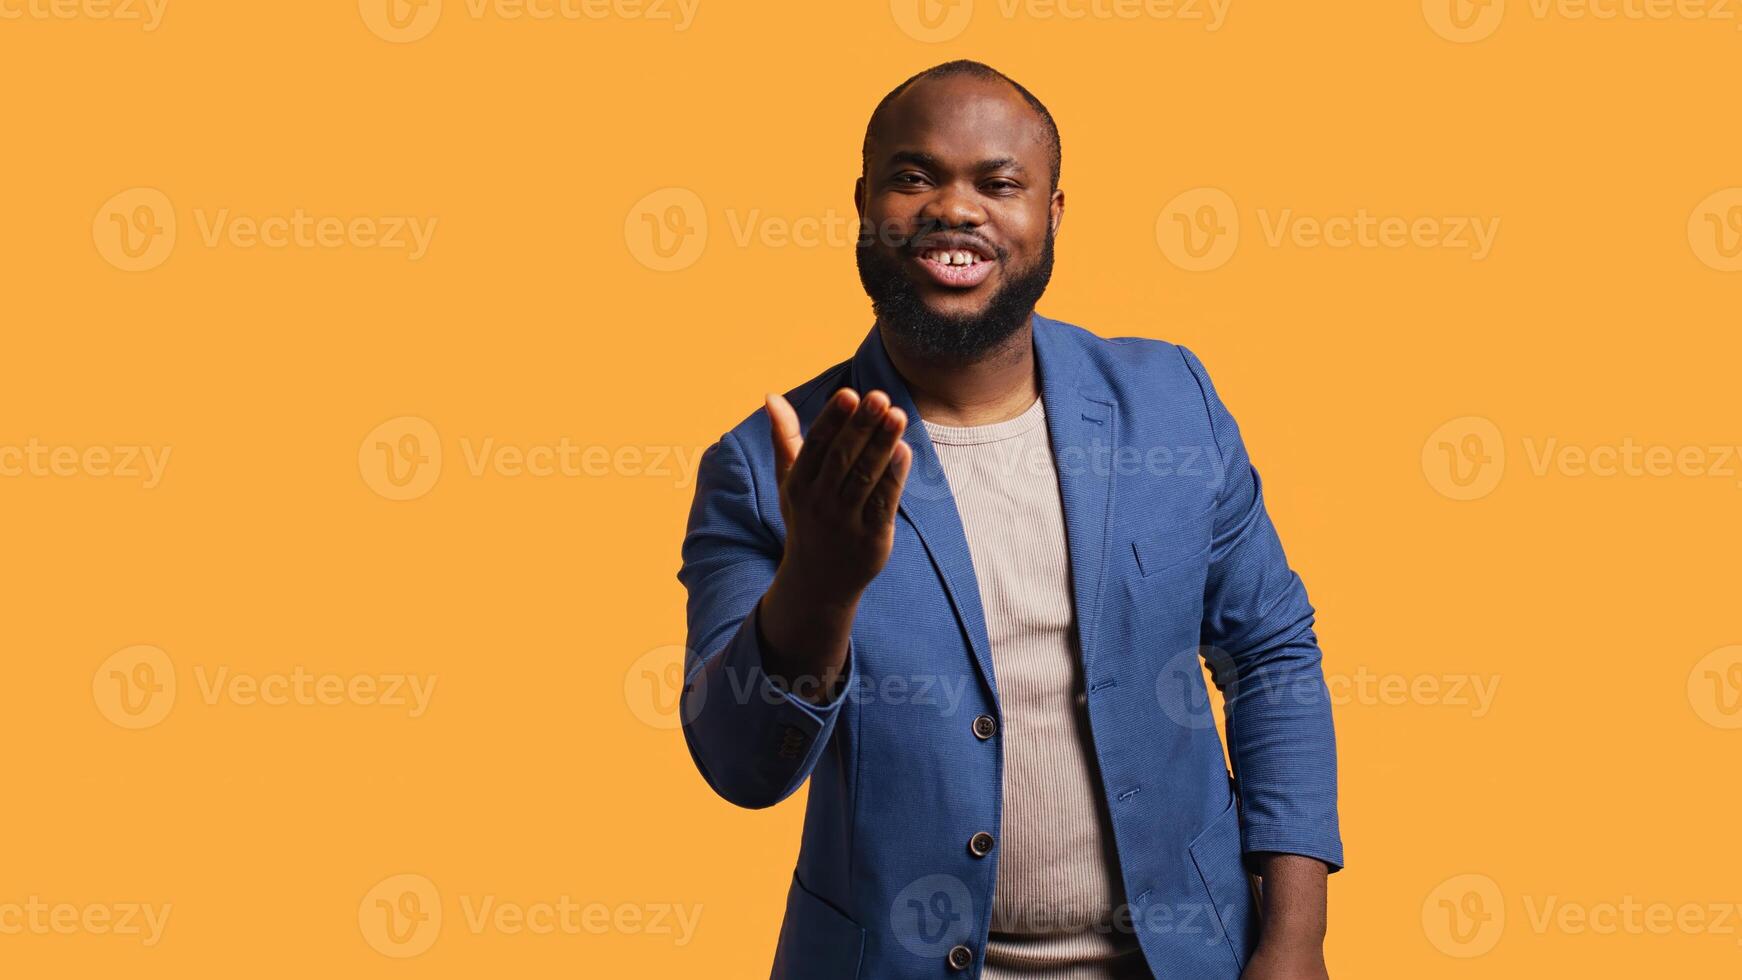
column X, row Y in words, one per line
column 939, row 336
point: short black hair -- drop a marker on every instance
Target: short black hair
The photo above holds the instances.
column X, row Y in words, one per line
column 976, row 70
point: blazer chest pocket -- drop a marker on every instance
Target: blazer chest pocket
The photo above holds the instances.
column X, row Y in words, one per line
column 1184, row 542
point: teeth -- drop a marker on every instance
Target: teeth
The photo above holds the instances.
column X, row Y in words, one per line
column 951, row 257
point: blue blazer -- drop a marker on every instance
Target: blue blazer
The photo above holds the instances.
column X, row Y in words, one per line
column 1173, row 559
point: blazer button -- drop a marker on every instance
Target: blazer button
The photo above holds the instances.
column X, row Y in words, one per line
column 961, row 957
column 985, row 727
column 980, row 844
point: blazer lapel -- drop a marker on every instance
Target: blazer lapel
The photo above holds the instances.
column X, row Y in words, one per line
column 1082, row 425
column 1083, row 422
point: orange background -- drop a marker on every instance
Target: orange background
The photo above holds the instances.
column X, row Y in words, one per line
column 545, row 609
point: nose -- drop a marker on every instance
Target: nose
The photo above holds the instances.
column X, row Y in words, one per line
column 953, row 206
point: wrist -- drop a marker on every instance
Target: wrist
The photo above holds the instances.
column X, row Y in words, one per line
column 809, row 595
column 1294, row 904
column 804, row 638
column 1293, row 944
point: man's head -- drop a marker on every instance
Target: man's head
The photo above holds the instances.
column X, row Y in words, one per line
column 958, row 205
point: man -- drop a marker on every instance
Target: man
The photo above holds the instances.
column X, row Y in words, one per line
column 979, row 637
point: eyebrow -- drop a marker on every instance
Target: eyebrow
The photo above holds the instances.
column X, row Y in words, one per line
column 925, row 160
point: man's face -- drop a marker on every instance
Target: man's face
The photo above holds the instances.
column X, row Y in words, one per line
column 958, row 216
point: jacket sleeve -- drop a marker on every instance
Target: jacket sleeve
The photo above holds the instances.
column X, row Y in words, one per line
column 753, row 741
column 1264, row 657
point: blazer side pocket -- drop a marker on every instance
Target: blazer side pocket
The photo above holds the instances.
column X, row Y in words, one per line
column 1217, row 854
column 817, row 940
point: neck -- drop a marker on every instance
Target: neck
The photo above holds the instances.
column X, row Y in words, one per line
column 999, row 385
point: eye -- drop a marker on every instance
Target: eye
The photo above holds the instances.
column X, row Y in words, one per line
column 1003, row 185
column 909, row 178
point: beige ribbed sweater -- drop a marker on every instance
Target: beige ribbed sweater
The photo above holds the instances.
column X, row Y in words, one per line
column 1058, row 876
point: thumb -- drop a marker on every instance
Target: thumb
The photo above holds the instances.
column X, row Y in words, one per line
column 783, row 432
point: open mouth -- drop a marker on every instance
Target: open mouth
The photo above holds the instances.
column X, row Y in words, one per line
column 956, row 268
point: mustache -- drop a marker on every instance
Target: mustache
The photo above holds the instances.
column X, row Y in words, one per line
column 916, row 243
column 896, row 238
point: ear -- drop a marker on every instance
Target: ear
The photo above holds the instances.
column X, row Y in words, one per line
column 1056, row 210
column 859, row 197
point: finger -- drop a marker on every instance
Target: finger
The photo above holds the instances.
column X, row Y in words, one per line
column 823, row 428
column 783, row 432
column 850, row 442
column 868, row 469
column 885, row 500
